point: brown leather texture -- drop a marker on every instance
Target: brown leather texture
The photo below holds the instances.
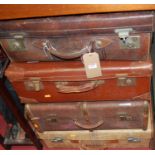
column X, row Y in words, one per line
column 66, row 81
column 79, row 24
column 69, row 37
column 88, row 115
column 109, row 47
column 97, row 144
column 101, row 139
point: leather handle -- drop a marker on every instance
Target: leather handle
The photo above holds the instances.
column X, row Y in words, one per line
column 91, row 47
column 90, row 146
column 64, row 55
column 64, row 87
column 88, row 126
column 73, row 55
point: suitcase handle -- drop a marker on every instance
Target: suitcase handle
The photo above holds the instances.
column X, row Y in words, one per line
column 91, row 47
column 88, row 126
column 92, row 146
column 48, row 48
column 64, row 87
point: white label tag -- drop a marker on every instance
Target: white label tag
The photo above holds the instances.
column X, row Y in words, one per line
column 92, row 65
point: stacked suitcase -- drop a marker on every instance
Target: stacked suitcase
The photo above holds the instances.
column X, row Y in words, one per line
column 85, row 80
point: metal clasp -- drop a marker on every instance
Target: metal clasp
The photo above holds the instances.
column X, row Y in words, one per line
column 134, row 140
column 17, row 43
column 126, row 40
column 33, row 84
column 57, row 140
column 126, row 81
column 125, row 117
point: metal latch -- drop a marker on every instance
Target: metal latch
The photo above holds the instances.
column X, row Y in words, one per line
column 57, row 140
column 52, row 118
column 134, row 140
column 17, row 43
column 125, row 117
column 126, row 81
column 33, row 85
column 128, row 41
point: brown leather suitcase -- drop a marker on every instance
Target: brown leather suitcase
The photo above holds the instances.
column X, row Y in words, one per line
column 67, row 82
column 88, row 115
column 115, row 36
column 100, row 139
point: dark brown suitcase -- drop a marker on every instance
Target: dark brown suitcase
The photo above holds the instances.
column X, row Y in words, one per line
column 66, row 81
column 88, row 115
column 115, row 36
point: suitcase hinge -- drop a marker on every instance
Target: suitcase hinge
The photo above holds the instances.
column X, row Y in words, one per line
column 17, row 43
column 126, row 40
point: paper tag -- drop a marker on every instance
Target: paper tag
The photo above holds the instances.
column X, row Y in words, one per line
column 92, row 65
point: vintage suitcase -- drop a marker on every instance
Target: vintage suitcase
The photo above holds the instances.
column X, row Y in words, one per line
column 100, row 139
column 88, row 115
column 115, row 36
column 66, row 81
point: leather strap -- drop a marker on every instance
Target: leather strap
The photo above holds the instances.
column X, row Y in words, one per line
column 65, row 87
column 88, row 126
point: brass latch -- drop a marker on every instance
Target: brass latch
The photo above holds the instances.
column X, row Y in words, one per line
column 128, row 41
column 53, row 118
column 134, row 140
column 17, row 43
column 33, row 85
column 126, row 81
column 57, row 140
column 125, row 117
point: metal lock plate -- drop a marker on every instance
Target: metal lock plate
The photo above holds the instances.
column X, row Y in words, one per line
column 131, row 42
column 33, row 85
column 16, row 44
column 126, row 81
column 57, row 140
column 125, row 117
column 128, row 41
column 52, row 118
column 134, row 140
